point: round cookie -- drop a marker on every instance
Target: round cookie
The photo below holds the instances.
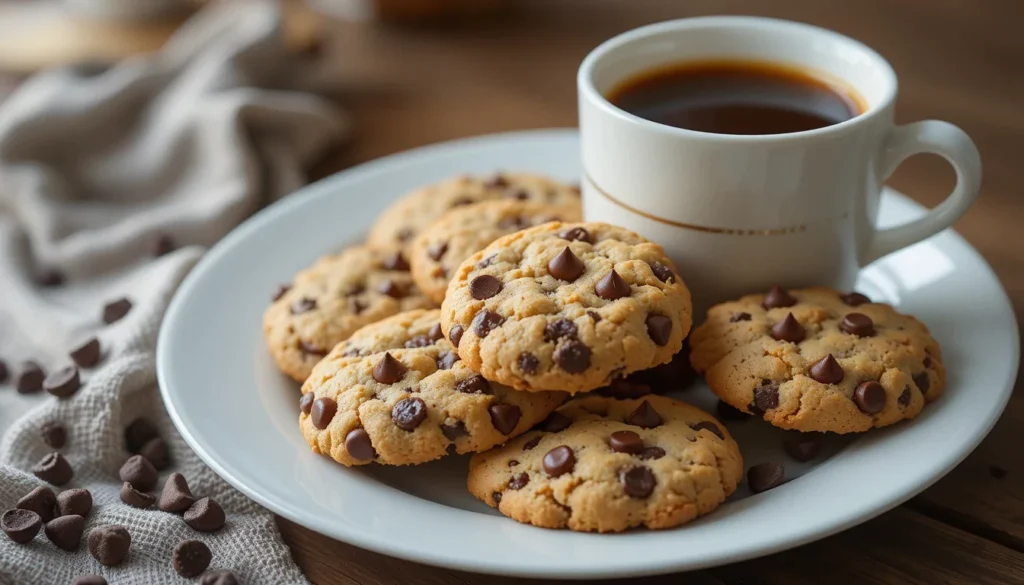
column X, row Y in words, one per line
column 441, row 247
column 397, row 394
column 331, row 299
column 407, row 217
column 566, row 307
column 605, row 465
column 818, row 360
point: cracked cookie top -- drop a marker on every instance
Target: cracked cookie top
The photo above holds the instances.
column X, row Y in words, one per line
column 818, row 360
column 566, row 306
column 606, row 465
column 397, row 394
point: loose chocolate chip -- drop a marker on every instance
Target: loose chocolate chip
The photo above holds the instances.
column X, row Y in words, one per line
column 66, row 532
column 573, row 357
column 737, row 317
column 408, row 413
column 41, row 501
column 157, row 453
column 532, row 443
column 766, row 397
column 709, row 426
column 389, row 370
column 74, row 502
column 310, row 349
column 191, row 558
column 135, row 498
column 727, row 412
column 528, row 363
column 664, row 273
column 827, row 370
column 869, row 397
column 89, row 580
column 504, row 417
column 644, row 416
column 612, row 287
column 205, row 515
column 789, row 329
column 419, row 341
column 176, row 497
column 904, row 398
column 922, row 381
column 4, row 372
column 88, row 354
column 50, row 278
column 396, row 261
column 454, row 430
column 559, row 461
column 484, row 286
column 303, row 305
column 391, row 288
column 109, row 544
column 555, row 422
column 777, row 298
column 20, row 525
column 455, row 335
column 577, row 234
column 659, row 329
column 804, row 446
column 116, row 310
column 55, row 435
column 139, row 472
column 857, row 324
column 54, row 468
column 650, row 453
column 306, row 402
column 626, row 442
column 63, row 383
column 485, row 322
column 323, row 412
column 518, row 481
column 359, row 446
column 560, row 329
column 637, row 482
column 138, row 433
column 447, row 359
column 30, row 380
column 437, row 251
column 566, row 266
column 475, row 384
column 280, row 291
column 219, row 578
column 854, row 299
column 765, row 476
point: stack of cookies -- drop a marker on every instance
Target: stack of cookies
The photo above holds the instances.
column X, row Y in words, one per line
column 549, row 339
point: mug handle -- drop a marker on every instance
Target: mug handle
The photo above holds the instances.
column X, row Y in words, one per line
column 952, row 144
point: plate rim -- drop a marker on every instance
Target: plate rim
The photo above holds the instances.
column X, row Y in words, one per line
column 496, row 565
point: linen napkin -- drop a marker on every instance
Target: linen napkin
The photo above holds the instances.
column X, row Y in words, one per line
column 112, row 185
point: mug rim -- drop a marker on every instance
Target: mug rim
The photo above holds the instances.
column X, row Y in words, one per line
column 586, row 88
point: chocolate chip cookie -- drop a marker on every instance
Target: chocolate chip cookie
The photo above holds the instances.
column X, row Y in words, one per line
column 331, row 299
column 441, row 247
column 605, row 465
column 407, row 217
column 566, row 306
column 818, row 360
column 397, row 394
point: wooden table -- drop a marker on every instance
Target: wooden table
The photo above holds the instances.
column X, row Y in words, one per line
column 960, row 61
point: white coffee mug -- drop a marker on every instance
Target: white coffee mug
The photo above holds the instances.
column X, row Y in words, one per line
column 739, row 213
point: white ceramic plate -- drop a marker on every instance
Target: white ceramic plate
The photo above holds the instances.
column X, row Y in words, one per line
column 240, row 415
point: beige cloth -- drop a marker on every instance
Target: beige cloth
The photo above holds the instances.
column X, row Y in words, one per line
column 93, row 168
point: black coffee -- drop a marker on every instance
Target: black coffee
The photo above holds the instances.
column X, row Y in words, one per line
column 735, row 97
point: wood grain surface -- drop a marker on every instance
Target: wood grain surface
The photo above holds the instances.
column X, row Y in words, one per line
column 958, row 60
